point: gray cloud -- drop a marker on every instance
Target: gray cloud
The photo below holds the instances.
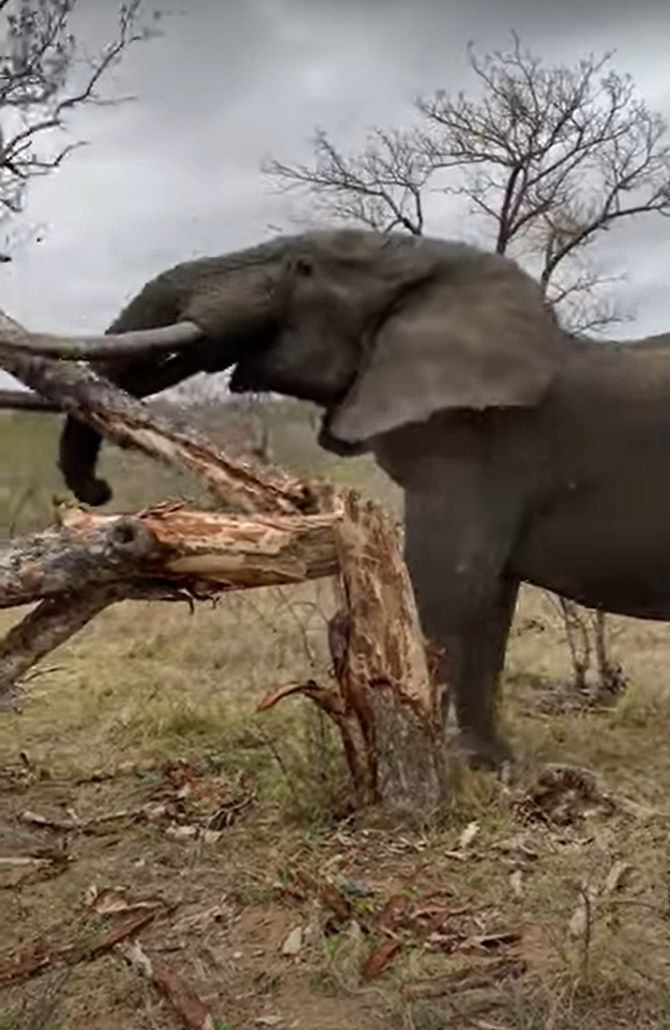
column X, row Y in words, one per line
column 176, row 173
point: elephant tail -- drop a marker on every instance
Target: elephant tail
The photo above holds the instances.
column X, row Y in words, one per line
column 78, row 453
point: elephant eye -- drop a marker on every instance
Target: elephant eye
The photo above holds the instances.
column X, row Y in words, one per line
column 303, row 267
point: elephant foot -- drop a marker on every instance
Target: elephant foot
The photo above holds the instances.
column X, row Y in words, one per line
column 489, row 751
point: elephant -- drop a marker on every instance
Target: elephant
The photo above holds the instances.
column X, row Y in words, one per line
column 525, row 454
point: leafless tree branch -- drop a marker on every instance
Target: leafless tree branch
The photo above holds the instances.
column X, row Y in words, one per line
column 549, row 156
column 44, row 75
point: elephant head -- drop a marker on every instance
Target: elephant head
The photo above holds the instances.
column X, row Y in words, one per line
column 233, row 299
column 380, row 330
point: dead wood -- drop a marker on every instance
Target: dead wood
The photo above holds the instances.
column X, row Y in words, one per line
column 386, row 703
column 205, row 551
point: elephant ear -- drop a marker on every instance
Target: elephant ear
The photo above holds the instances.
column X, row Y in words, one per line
column 476, row 335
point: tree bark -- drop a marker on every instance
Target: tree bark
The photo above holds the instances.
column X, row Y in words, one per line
column 204, row 550
column 386, row 703
column 45, row 628
column 385, row 676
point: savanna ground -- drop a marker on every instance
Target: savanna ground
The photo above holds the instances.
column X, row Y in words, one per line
column 274, row 905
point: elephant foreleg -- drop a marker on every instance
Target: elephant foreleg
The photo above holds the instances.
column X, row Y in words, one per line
column 456, row 546
column 481, row 652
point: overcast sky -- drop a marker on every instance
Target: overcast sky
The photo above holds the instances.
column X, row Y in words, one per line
column 175, row 173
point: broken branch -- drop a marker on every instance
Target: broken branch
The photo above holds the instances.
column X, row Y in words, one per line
column 167, row 553
column 212, row 551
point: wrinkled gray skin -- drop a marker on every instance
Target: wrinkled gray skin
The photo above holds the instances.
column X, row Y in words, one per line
column 524, row 454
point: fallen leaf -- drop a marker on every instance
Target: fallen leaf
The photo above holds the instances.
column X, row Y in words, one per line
column 579, row 920
column 331, row 898
column 517, row 846
column 516, row 883
column 293, row 943
column 223, row 912
column 181, row 832
column 35, row 957
column 616, row 876
column 112, row 900
column 30, row 959
column 393, row 913
column 210, row 836
column 431, row 918
column 378, row 959
column 468, row 835
column 179, row 993
column 359, row 888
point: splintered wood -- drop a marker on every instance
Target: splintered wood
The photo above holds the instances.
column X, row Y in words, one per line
column 383, row 698
column 385, row 702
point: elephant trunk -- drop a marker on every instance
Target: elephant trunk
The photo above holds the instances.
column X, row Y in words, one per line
column 233, row 300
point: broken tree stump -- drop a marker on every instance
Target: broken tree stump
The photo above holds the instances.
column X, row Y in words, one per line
column 386, row 703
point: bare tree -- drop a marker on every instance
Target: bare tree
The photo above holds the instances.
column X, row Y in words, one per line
column 46, row 74
column 548, row 158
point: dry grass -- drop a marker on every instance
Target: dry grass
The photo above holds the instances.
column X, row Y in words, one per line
column 146, row 684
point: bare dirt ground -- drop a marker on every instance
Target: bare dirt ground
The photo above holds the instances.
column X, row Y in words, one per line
column 169, row 857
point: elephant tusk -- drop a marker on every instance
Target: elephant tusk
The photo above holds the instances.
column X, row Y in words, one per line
column 107, row 347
